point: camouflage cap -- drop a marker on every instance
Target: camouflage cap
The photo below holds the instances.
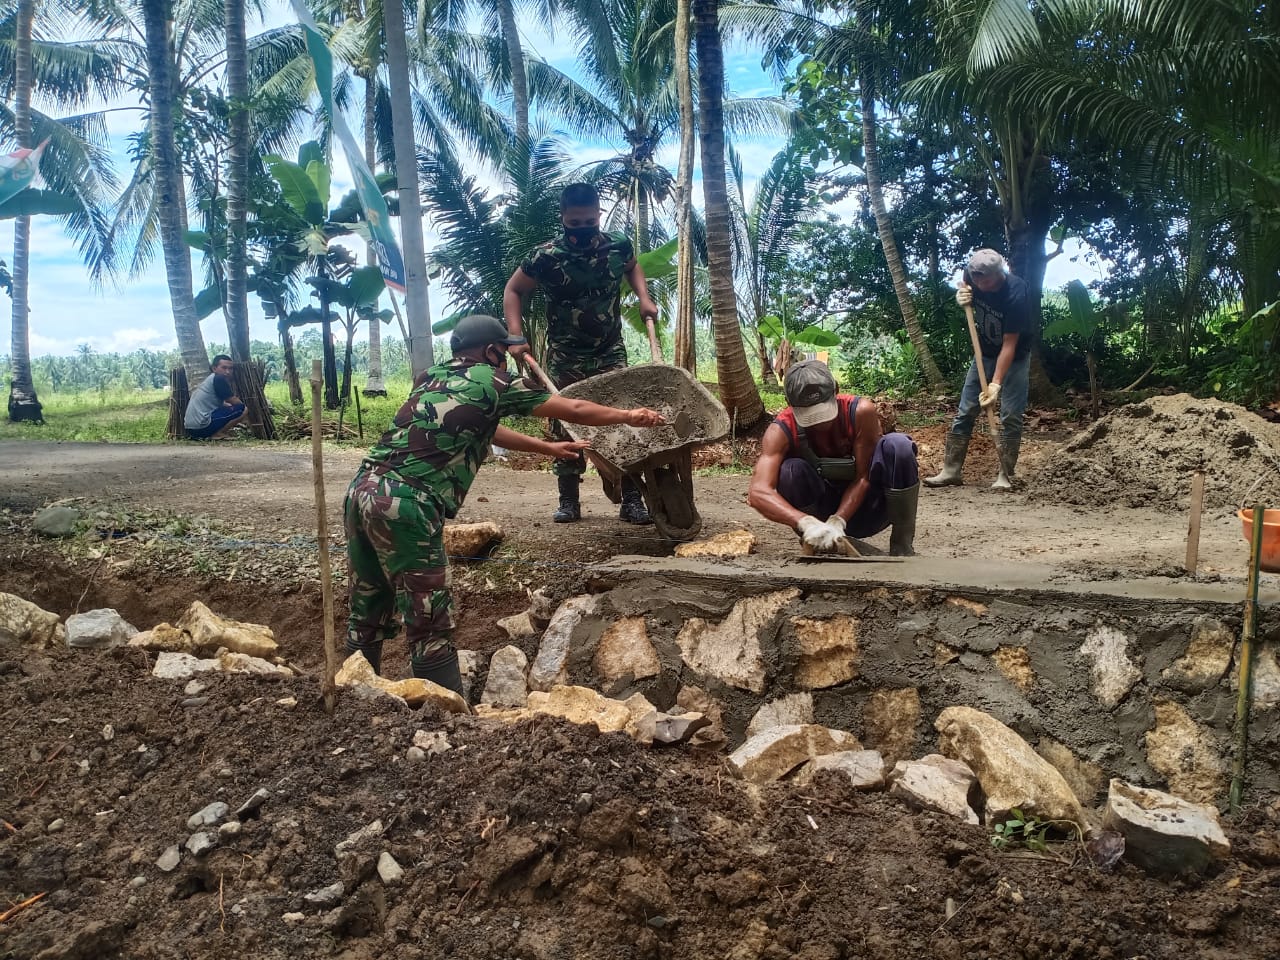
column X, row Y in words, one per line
column 811, row 392
column 480, row 330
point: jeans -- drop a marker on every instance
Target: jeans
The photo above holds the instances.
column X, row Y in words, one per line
column 1013, row 398
column 893, row 467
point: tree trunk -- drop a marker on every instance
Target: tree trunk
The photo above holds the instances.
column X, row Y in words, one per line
column 23, row 403
column 290, row 365
column 767, row 376
column 1027, row 260
column 331, row 398
column 1095, row 400
column 642, row 219
column 373, row 385
column 515, row 60
column 738, row 391
column 237, row 303
column 685, row 348
column 417, row 306
column 888, row 242
column 171, row 200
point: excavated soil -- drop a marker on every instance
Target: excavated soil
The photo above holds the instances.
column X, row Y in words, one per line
column 1143, row 455
column 540, row 841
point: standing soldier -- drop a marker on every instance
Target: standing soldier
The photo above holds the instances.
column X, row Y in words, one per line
column 581, row 275
column 419, row 473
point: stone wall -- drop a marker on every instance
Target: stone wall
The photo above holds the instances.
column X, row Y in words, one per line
column 1102, row 686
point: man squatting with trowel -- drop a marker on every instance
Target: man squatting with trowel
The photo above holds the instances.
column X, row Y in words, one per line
column 581, row 276
column 825, row 455
column 418, row 475
column 1002, row 314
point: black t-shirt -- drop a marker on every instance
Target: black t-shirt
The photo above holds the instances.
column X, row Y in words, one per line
column 222, row 388
column 1008, row 310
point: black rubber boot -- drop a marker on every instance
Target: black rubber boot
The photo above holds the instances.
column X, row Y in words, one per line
column 632, row 509
column 372, row 653
column 441, row 668
column 902, row 515
column 570, row 510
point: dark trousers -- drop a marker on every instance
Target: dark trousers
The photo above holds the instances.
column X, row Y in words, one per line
column 893, row 467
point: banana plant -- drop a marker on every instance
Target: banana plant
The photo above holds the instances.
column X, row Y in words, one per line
column 1086, row 323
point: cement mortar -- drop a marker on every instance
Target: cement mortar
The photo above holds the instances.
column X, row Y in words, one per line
column 943, row 643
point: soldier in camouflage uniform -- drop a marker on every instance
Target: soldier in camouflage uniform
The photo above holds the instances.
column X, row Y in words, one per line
column 418, row 475
column 581, row 274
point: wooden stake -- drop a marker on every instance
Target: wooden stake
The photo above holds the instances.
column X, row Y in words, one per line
column 1245, row 695
column 1193, row 531
column 329, row 690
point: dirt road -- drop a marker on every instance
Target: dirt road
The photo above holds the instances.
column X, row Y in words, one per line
column 270, row 490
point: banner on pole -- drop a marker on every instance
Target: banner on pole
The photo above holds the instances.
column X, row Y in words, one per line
column 383, row 238
column 19, row 169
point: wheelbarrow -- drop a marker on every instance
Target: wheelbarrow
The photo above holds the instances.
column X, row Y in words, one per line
column 658, row 460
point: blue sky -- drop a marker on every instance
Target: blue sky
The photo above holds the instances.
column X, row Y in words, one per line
column 133, row 312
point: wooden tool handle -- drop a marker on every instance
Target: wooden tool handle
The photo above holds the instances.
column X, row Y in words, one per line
column 329, row 688
column 532, row 364
column 982, row 371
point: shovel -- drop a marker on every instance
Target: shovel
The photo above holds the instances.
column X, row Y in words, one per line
column 1003, row 482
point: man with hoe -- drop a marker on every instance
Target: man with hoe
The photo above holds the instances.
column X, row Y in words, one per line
column 418, row 475
column 824, row 455
column 1002, row 314
column 214, row 409
column 581, row 275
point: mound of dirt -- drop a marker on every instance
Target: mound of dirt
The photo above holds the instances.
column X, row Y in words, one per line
column 540, row 841
column 1143, row 455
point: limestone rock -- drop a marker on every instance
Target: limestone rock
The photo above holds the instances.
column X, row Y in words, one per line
column 432, row 741
column 648, row 725
column 863, row 769
column 470, row 540
column 1114, row 674
column 505, row 684
column 325, row 897
column 889, row 720
column 23, row 622
column 624, row 650
column 1164, row 833
column 202, row 632
column 771, row 755
column 229, row 662
column 468, row 666
column 550, row 665
column 935, row 783
column 582, row 705
column 1186, row 756
column 794, row 708
column 541, row 608
column 734, row 543
column 170, row 859
column 356, row 672
column 359, row 838
column 1207, row 657
column 518, row 626
column 1266, row 679
column 730, row 650
column 692, row 699
column 389, row 872
column 1084, row 778
column 1011, row 773
column 98, row 628
column 827, row 651
column 183, row 666
column 1015, row 664
column 208, row 815
column 55, row 521
column 198, row 844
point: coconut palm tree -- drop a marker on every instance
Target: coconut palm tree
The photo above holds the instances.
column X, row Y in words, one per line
column 738, row 390
column 685, row 352
column 238, row 146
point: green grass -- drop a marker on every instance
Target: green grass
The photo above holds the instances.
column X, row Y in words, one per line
column 124, row 416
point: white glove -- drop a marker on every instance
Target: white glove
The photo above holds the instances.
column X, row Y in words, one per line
column 822, row 537
column 836, row 523
column 990, row 395
column 964, row 295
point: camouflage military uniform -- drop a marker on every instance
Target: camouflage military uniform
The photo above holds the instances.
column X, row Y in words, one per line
column 417, row 475
column 583, row 290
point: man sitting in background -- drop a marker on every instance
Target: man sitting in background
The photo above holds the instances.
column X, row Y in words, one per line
column 214, row 409
column 825, row 454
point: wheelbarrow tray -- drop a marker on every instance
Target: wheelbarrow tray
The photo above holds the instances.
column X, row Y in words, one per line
column 672, row 391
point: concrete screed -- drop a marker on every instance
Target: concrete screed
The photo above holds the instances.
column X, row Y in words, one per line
column 1133, row 678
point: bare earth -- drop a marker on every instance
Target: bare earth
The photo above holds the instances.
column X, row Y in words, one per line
column 271, row 490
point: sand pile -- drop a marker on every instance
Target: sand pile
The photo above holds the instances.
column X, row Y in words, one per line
column 1143, row 455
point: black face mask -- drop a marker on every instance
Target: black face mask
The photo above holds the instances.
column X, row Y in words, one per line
column 496, row 358
column 580, row 236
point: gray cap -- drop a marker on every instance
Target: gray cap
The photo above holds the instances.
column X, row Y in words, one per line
column 480, row 330
column 985, row 263
column 811, row 392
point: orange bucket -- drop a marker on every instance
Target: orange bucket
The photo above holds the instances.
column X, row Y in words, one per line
column 1270, row 560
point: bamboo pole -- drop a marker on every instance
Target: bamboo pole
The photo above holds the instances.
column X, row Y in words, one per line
column 1244, row 697
column 1193, row 531
column 329, row 690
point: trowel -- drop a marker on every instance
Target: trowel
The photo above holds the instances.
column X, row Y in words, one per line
column 848, row 553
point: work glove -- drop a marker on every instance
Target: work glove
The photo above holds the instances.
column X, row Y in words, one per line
column 990, row 395
column 836, row 523
column 822, row 537
column 964, row 295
